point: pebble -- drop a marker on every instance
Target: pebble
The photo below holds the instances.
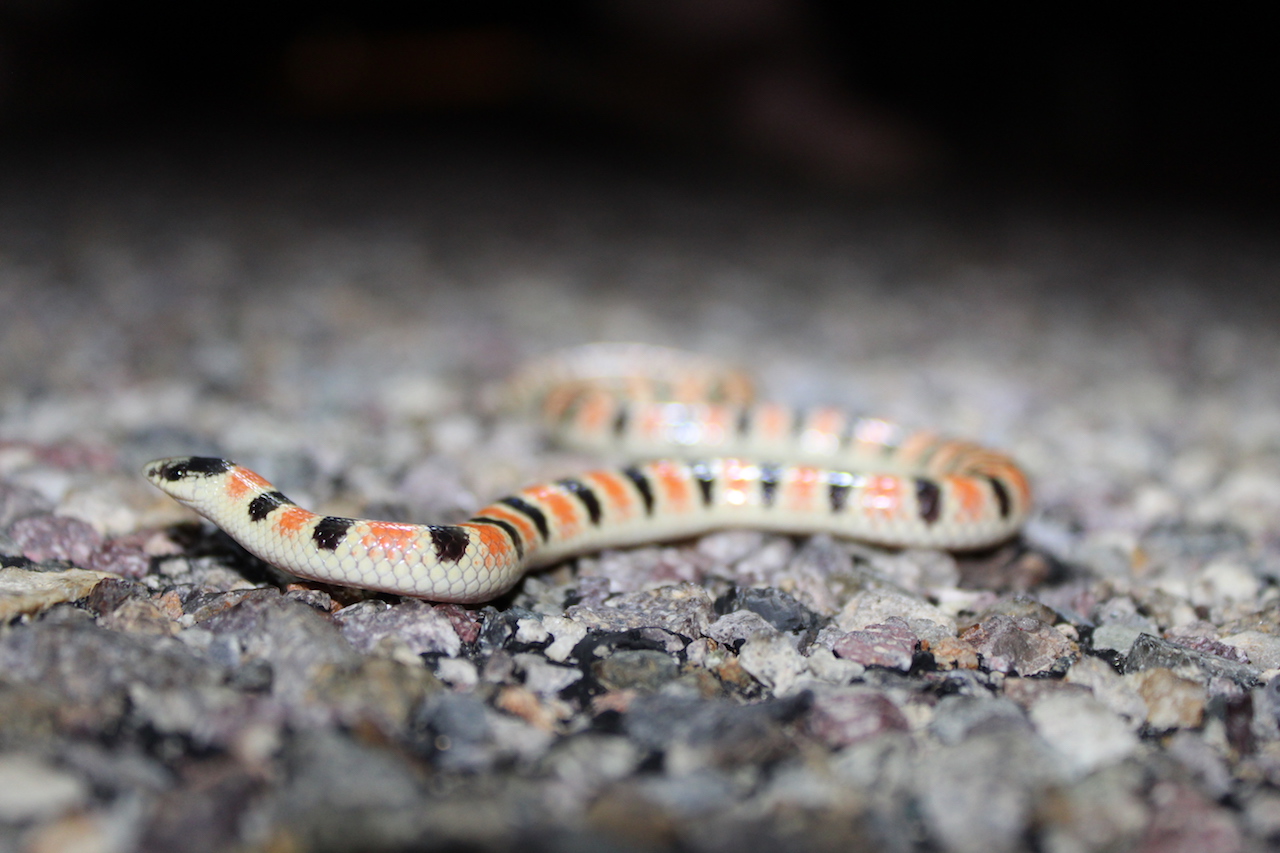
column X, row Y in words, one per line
column 1106, row 810
column 733, row 629
column 774, row 662
column 1119, row 625
column 876, row 607
column 841, row 718
column 645, row 670
column 970, row 812
column 891, row 645
column 23, row 591
column 31, row 789
column 917, row 571
column 457, row 730
column 342, row 794
column 1262, row 813
column 124, row 558
column 1184, row 822
column 19, row 502
column 1172, row 701
column 1260, row 649
column 1119, row 693
column 459, row 672
column 1222, row 582
column 530, row 707
column 1084, row 733
column 951, row 653
column 1116, row 637
column 1203, row 761
column 586, row 763
column 296, row 642
column 712, row 733
column 10, row 553
column 774, row 606
column 825, row 666
column 379, row 693
column 107, row 502
column 684, row 609
column 1153, row 652
column 419, row 626
column 820, row 575
column 958, row 717
column 1022, row 646
column 544, row 677
column 55, row 537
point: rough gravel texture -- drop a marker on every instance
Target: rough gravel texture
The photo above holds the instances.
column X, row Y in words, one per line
column 338, row 318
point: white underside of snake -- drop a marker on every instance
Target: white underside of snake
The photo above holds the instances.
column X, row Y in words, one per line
column 718, row 461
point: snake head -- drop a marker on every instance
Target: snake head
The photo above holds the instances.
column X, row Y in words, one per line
column 184, row 477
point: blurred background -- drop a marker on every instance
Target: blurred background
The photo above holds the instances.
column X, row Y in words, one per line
column 838, row 96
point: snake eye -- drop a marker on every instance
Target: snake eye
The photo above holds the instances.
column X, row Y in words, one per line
column 181, row 468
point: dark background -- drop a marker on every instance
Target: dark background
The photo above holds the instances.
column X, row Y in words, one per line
column 1159, row 106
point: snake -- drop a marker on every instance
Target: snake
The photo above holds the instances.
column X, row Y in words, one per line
column 713, row 456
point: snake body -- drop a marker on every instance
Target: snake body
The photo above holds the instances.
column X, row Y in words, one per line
column 728, row 463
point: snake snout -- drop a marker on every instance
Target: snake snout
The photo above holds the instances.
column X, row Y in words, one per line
column 178, row 475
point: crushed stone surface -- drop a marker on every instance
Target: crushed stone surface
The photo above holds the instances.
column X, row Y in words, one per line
column 1108, row 681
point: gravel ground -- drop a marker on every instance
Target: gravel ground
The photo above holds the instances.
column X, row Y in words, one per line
column 337, row 318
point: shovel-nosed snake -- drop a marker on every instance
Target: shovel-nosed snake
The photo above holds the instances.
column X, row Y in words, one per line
column 719, row 461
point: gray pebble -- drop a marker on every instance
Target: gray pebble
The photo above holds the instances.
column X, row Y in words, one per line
column 1150, row 652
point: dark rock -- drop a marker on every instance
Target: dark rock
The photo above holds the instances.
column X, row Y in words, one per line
column 1150, row 652
column 124, row 605
column 601, row 644
column 111, row 593
column 774, row 606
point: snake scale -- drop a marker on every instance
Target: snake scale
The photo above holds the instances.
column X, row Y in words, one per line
column 718, row 460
